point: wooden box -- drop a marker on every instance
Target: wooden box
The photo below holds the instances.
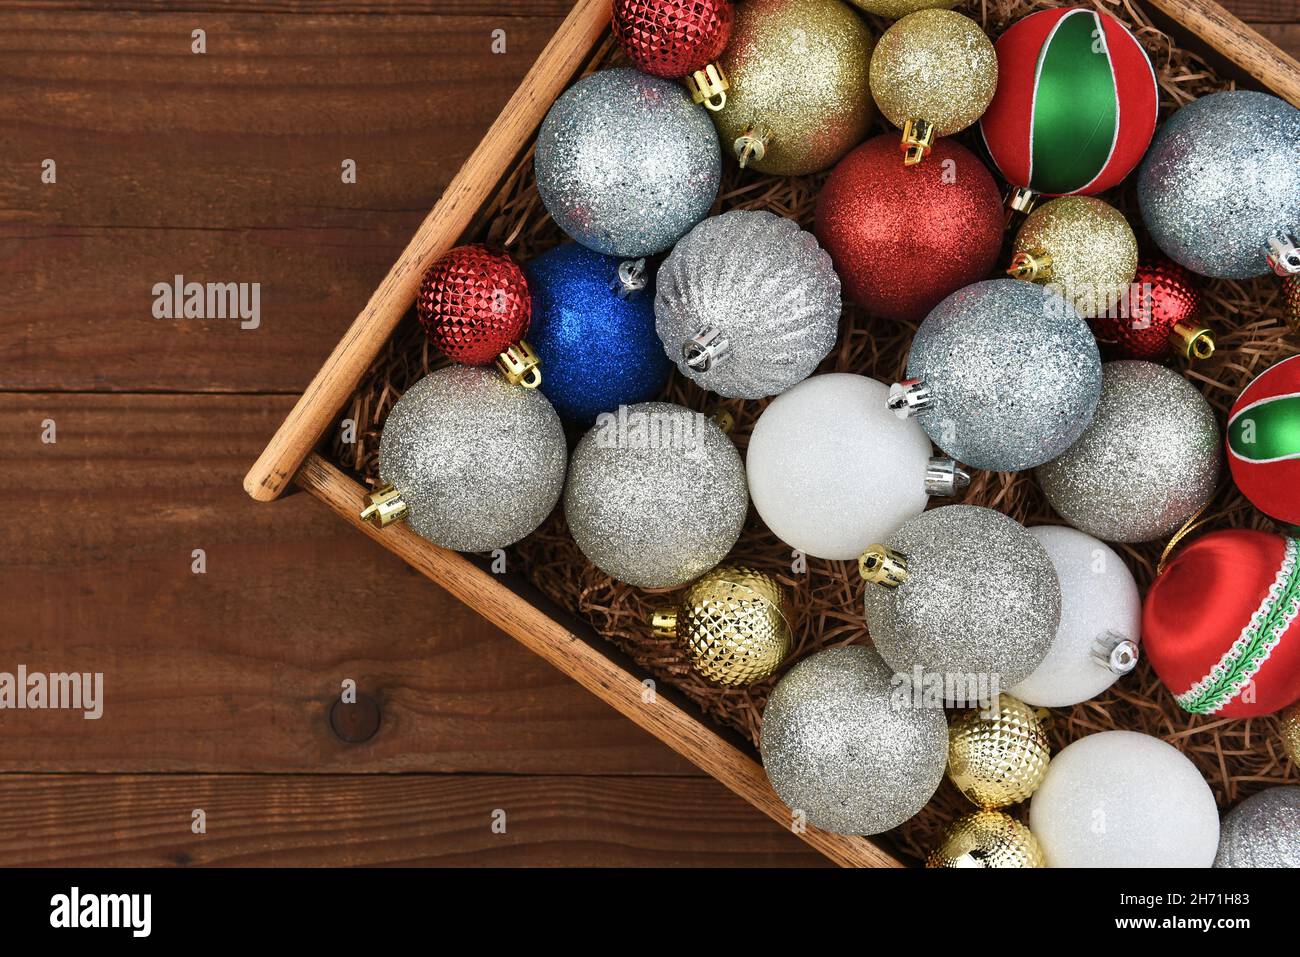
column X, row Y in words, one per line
column 295, row 456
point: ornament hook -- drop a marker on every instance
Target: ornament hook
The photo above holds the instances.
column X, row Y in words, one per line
column 520, row 365
column 702, row 350
column 752, row 145
column 385, row 507
column 1117, row 654
column 709, row 87
column 881, row 565
column 909, row 397
column 918, row 140
column 945, row 478
column 629, row 279
column 1283, row 256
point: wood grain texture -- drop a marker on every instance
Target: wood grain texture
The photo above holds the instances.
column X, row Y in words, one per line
column 376, row 820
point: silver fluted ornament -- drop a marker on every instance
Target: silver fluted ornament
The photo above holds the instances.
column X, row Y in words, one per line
column 841, row 748
column 1221, row 183
column 626, row 163
column 965, row 594
column 1003, row 375
column 747, row 304
column 471, row 462
column 656, row 494
column 1262, row 831
column 1147, row 462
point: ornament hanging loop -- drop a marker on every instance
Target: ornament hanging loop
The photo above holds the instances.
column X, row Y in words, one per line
column 1117, row 654
column 1283, row 255
column 909, row 397
column 918, row 140
column 751, row 145
column 520, row 365
column 701, row 351
column 945, row 478
column 385, row 507
column 1031, row 266
column 629, row 279
column 881, row 565
column 708, row 87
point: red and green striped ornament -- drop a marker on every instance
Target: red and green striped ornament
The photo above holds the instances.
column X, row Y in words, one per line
column 1264, row 441
column 1076, row 103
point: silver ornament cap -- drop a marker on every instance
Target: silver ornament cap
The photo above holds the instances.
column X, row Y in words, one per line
column 1262, row 831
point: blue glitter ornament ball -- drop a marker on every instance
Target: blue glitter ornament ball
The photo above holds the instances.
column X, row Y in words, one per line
column 597, row 350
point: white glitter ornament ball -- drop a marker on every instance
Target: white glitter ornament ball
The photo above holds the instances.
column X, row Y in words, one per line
column 978, row 600
column 1124, row 799
column 1147, row 462
column 626, row 163
column 1003, row 375
column 748, row 304
column 1262, row 831
column 1222, row 178
column 656, row 494
column 1101, row 614
column 842, row 744
column 831, row 471
column 478, row 462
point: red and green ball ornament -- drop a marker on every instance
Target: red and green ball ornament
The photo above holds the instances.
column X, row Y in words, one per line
column 1221, row 624
column 1075, row 107
column 1264, row 441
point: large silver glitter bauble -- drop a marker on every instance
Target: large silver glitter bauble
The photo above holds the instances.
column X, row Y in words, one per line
column 626, row 163
column 656, row 494
column 845, row 743
column 1149, row 460
column 1220, row 179
column 479, row 462
column 1013, row 372
column 979, row 605
column 753, row 298
column 1262, row 831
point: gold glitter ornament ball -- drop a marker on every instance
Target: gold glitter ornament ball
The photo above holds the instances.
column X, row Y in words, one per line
column 933, row 73
column 799, row 97
column 998, row 756
column 893, row 9
column 732, row 623
column 987, row 839
column 1290, row 728
column 1083, row 248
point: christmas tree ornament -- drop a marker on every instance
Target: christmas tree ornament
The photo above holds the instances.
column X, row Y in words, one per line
column 1289, row 720
column 626, row 163
column 678, row 38
column 933, row 73
column 656, row 494
column 1220, row 188
column 1084, row 248
column 959, row 592
column 1075, row 107
column 1159, row 317
column 998, row 753
column 474, row 306
column 1146, row 464
column 469, row 461
column 1101, row 615
column 1124, row 799
column 896, row 9
column 799, row 98
column 1220, row 624
column 748, row 304
column 1291, row 297
column 831, row 470
column 1002, row 375
column 1264, row 441
column 902, row 237
column 1262, row 831
column 838, row 748
column 732, row 623
column 986, row 839
column 594, row 331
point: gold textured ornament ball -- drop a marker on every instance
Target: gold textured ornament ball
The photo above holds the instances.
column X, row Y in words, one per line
column 998, row 756
column 1083, row 248
column 1290, row 719
column 893, row 9
column 799, row 97
column 733, row 624
column 933, row 73
column 987, row 839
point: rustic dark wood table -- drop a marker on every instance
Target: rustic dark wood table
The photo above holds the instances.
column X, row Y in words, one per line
column 225, row 629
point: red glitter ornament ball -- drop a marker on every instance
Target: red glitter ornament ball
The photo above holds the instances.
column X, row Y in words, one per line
column 1159, row 318
column 672, row 38
column 474, row 304
column 903, row 238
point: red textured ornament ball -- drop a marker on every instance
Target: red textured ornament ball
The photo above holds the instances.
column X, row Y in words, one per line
column 474, row 304
column 1291, row 295
column 1161, row 311
column 673, row 38
column 1220, row 624
column 905, row 237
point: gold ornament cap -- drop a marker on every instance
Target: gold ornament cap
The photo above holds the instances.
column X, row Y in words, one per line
column 881, row 565
column 520, row 365
column 385, row 506
column 709, row 87
column 1192, row 342
column 1290, row 728
column 998, row 755
column 987, row 839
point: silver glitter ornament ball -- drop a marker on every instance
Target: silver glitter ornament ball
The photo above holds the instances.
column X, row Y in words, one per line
column 626, row 163
column 1003, row 375
column 844, row 743
column 1262, row 831
column 1221, row 178
column 1147, row 462
column 656, row 494
column 748, row 304
column 979, row 600
column 479, row 462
